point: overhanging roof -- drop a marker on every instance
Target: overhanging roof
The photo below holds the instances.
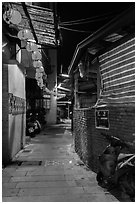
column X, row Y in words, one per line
column 93, row 41
column 39, row 20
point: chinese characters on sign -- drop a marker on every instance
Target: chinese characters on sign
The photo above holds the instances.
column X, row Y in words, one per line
column 102, row 119
column 16, row 105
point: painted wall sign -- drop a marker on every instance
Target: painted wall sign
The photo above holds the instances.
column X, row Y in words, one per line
column 16, row 105
column 102, row 119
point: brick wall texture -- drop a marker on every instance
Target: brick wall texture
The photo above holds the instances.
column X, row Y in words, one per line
column 5, row 110
column 89, row 142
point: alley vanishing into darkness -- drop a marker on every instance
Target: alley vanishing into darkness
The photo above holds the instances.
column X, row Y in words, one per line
column 49, row 170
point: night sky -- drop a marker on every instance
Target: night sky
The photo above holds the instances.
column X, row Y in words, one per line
column 72, row 11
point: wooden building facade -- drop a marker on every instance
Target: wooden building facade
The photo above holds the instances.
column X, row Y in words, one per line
column 103, row 73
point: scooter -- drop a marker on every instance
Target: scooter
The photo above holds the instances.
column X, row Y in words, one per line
column 116, row 167
column 33, row 126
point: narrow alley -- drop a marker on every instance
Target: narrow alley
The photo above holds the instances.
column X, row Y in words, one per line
column 68, row 101
column 49, row 170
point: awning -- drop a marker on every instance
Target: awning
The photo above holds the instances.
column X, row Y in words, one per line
column 39, row 20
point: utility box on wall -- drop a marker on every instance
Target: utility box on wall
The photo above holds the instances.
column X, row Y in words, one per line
column 102, row 119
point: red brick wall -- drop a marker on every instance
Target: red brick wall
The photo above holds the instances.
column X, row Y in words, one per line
column 89, row 142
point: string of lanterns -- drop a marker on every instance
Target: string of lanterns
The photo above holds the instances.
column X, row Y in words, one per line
column 31, row 46
column 12, row 16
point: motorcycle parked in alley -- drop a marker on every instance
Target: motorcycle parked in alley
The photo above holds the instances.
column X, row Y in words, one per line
column 33, row 126
column 40, row 115
column 117, row 166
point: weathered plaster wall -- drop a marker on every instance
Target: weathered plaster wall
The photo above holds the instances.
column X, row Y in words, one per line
column 13, row 124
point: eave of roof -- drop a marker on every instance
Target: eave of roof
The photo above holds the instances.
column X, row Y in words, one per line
column 124, row 19
column 39, row 20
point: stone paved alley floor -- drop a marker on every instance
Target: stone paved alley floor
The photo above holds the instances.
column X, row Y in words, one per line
column 49, row 170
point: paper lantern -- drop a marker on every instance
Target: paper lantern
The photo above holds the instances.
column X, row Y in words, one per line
column 36, row 55
column 38, row 70
column 31, row 46
column 40, row 83
column 37, row 63
column 38, row 75
column 44, row 76
column 37, row 78
column 25, row 34
column 41, row 69
column 40, row 80
column 15, row 17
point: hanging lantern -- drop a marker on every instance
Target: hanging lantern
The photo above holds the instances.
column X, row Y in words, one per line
column 37, row 78
column 38, row 71
column 36, row 55
column 15, row 17
column 37, row 63
column 40, row 83
column 31, row 46
column 44, row 76
column 38, row 75
column 25, row 34
column 40, row 80
column 41, row 69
